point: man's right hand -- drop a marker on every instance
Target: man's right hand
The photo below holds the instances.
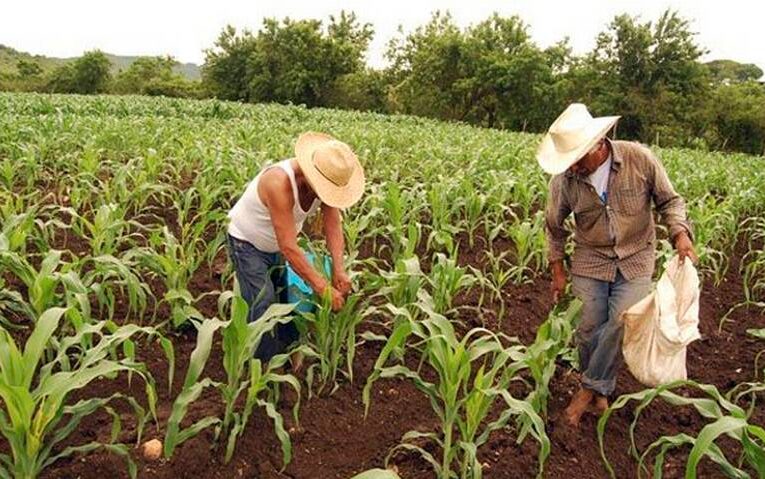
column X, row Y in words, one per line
column 338, row 300
column 559, row 279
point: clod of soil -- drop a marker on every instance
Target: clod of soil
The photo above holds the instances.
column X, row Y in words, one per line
column 152, row 450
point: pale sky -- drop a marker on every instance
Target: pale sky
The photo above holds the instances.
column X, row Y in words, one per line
column 729, row 29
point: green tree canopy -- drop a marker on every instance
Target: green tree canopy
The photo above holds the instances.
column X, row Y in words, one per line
column 289, row 61
column 87, row 74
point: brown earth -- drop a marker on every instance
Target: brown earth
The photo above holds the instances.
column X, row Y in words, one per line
column 334, row 440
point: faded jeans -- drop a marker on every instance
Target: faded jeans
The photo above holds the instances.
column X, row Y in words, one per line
column 262, row 281
column 599, row 333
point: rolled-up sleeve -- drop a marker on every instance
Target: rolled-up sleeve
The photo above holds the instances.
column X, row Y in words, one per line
column 556, row 212
column 669, row 204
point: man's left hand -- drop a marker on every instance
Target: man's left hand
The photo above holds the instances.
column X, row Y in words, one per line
column 341, row 282
column 684, row 248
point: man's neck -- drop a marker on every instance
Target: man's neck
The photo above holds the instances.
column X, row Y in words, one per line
column 304, row 189
column 604, row 153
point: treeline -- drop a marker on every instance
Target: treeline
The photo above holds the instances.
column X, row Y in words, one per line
column 490, row 74
column 92, row 74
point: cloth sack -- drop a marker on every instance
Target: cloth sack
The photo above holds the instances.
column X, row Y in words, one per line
column 658, row 329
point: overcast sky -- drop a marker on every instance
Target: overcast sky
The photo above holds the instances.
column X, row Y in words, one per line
column 729, row 29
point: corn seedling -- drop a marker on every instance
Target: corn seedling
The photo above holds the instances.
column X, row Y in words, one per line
column 529, row 240
column 332, row 338
column 552, row 342
column 471, row 376
column 36, row 417
column 170, row 261
column 726, row 419
column 41, row 284
column 244, row 375
column 447, row 279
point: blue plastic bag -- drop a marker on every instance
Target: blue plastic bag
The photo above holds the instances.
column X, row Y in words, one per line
column 297, row 289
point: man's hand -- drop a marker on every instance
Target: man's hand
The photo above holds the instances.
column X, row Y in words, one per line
column 684, row 248
column 558, row 285
column 342, row 282
column 338, row 300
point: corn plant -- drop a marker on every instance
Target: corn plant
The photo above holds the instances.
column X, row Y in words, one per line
column 244, row 375
column 331, row 336
column 760, row 334
column 529, row 240
column 175, row 264
column 726, row 418
column 105, row 275
column 400, row 206
column 442, row 224
column 498, row 274
column 402, row 286
column 753, row 262
column 41, row 283
column 471, row 376
column 475, row 205
column 106, row 231
column 12, row 305
column 552, row 343
column 17, row 229
column 36, row 417
column 447, row 279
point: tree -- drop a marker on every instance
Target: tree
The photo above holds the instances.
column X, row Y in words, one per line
column 729, row 71
column 294, row 61
column 87, row 74
column 153, row 76
column 491, row 74
column 649, row 73
column 28, row 68
column 364, row 90
column 739, row 117
column 226, row 72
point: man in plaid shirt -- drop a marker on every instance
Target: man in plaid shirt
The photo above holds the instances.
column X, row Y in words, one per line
column 609, row 187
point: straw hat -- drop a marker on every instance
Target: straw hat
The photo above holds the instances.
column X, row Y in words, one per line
column 331, row 168
column 570, row 137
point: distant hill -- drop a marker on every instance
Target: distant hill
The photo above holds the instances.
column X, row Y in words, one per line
column 9, row 57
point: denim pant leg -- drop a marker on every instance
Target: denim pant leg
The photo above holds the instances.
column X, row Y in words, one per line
column 606, row 357
column 594, row 297
column 255, row 274
column 286, row 334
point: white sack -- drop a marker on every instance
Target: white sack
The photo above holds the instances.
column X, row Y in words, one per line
column 658, row 329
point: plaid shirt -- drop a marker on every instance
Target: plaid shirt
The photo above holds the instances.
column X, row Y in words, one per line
column 620, row 233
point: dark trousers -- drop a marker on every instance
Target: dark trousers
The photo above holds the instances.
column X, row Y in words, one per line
column 263, row 281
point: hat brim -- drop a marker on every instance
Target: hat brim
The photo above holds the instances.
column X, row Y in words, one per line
column 554, row 162
column 328, row 192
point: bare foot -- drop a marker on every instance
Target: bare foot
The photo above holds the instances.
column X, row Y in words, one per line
column 578, row 406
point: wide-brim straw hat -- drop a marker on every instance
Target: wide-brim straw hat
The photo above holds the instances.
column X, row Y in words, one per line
column 570, row 137
column 331, row 168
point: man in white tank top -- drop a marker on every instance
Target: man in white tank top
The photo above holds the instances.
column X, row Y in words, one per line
column 267, row 218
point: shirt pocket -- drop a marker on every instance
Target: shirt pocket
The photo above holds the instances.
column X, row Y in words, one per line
column 587, row 210
column 630, row 201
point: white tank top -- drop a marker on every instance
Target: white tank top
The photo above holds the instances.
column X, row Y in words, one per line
column 250, row 219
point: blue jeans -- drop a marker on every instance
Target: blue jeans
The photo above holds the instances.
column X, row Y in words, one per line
column 262, row 281
column 599, row 333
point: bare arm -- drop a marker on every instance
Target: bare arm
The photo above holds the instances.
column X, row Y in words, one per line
column 276, row 193
column 333, row 232
column 556, row 212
